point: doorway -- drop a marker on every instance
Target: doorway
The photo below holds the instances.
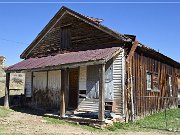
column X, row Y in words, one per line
column 73, row 88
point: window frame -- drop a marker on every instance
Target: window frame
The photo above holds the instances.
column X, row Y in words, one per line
column 170, row 85
column 152, row 74
column 147, row 82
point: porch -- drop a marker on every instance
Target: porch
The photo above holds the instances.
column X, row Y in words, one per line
column 69, row 64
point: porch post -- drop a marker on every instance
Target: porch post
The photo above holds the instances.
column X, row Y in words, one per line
column 64, row 83
column 6, row 98
column 101, row 92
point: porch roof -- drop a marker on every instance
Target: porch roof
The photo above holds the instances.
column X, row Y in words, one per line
column 69, row 59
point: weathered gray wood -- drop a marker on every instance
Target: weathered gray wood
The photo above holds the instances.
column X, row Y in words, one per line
column 101, row 92
column 6, row 98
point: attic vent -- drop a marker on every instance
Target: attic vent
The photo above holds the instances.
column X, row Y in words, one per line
column 96, row 20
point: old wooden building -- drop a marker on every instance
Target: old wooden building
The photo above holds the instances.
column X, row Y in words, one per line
column 76, row 63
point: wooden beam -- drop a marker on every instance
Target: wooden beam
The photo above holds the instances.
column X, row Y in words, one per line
column 64, row 84
column 101, row 92
column 6, row 98
column 67, row 89
column 131, row 53
column 32, row 78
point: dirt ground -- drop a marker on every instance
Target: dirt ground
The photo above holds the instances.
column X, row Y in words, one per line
column 24, row 123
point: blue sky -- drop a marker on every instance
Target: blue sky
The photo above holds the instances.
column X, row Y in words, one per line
column 156, row 25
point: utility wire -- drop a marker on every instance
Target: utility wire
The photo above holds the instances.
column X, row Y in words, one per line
column 8, row 40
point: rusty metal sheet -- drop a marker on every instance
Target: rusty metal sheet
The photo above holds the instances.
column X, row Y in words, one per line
column 63, row 59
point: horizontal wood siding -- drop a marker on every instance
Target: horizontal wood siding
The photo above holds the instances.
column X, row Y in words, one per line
column 88, row 105
column 118, row 83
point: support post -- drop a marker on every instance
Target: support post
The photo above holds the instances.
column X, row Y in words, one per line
column 6, row 98
column 64, row 82
column 101, row 92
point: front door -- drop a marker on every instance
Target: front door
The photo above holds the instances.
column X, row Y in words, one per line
column 73, row 88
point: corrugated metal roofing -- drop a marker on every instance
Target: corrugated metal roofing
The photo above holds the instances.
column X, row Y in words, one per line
column 63, row 59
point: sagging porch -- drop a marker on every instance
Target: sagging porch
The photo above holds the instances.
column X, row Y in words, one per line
column 69, row 65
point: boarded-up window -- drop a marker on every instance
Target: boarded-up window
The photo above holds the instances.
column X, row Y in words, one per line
column 149, row 81
column 66, row 37
column 155, row 82
column 152, row 81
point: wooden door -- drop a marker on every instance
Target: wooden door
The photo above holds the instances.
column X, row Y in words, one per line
column 73, row 88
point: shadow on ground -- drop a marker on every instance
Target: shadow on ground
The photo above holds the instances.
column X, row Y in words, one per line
column 16, row 106
column 29, row 110
column 1, row 101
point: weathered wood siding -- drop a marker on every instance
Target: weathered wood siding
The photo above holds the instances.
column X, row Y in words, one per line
column 54, row 87
column 118, row 82
column 39, row 80
column 54, row 80
column 46, row 88
column 88, row 104
column 82, row 38
column 149, row 101
column 28, row 84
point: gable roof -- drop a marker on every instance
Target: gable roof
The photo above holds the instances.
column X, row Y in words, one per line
column 96, row 23
column 64, row 10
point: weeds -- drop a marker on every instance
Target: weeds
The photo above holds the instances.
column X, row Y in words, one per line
column 4, row 112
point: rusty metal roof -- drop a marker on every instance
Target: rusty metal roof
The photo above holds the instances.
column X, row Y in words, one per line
column 64, row 59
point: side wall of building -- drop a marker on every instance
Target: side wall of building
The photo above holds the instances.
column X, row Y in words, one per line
column 154, row 84
column 119, row 83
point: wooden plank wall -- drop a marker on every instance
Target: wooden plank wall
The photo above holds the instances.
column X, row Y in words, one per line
column 82, row 37
column 149, row 101
column 118, row 83
column 46, row 89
